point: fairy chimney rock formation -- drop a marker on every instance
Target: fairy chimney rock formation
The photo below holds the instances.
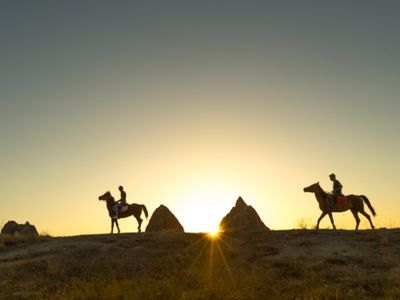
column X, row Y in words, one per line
column 12, row 228
column 163, row 220
column 242, row 218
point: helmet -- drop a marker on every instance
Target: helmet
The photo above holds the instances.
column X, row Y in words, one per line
column 120, row 187
column 332, row 175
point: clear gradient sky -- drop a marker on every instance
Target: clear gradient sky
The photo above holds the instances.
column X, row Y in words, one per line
column 191, row 104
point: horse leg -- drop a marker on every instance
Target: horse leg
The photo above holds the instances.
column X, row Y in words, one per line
column 116, row 222
column 140, row 220
column 355, row 214
column 368, row 217
column 112, row 226
column 333, row 223
column 320, row 218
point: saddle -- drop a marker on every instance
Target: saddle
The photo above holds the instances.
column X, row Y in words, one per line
column 121, row 208
column 341, row 200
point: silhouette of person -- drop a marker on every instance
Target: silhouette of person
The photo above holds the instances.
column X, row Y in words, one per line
column 336, row 191
column 123, row 195
column 121, row 202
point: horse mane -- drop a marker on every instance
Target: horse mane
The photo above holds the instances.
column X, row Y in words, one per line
column 112, row 199
column 322, row 190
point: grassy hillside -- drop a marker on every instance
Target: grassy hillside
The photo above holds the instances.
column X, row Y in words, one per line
column 297, row 264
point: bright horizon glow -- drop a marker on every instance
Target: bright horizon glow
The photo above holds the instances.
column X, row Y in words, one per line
column 191, row 104
column 204, row 203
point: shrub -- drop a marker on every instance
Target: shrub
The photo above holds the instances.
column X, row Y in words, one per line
column 303, row 224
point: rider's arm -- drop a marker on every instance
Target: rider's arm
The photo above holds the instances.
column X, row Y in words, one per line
column 337, row 186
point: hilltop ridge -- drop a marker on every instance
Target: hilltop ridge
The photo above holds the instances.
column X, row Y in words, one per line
column 287, row 264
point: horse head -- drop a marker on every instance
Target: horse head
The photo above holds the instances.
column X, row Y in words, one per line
column 105, row 196
column 314, row 188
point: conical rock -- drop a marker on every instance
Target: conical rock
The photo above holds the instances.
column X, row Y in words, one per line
column 242, row 218
column 163, row 220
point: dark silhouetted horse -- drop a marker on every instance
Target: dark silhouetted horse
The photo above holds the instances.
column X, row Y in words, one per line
column 133, row 210
column 354, row 203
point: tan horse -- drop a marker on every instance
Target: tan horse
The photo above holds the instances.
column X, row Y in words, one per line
column 354, row 203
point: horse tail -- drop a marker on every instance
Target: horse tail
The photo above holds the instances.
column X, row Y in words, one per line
column 145, row 211
column 368, row 204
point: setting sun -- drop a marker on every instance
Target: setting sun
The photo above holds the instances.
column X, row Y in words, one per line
column 214, row 233
column 207, row 199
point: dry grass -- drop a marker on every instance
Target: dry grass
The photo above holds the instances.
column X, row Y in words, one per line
column 298, row 264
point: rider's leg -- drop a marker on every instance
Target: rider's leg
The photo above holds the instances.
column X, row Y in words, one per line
column 335, row 197
column 115, row 212
column 331, row 202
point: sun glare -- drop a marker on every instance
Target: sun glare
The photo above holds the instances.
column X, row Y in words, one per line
column 214, row 233
column 207, row 206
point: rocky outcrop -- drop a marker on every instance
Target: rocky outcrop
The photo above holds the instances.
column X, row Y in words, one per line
column 163, row 220
column 242, row 218
column 26, row 230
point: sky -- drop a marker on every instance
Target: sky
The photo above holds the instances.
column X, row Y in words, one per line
column 192, row 104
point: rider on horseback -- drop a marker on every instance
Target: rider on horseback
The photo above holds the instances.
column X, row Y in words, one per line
column 120, row 203
column 336, row 192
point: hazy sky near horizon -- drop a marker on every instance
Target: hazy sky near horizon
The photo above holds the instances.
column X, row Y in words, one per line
column 191, row 104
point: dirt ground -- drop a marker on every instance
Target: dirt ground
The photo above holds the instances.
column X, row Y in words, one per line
column 290, row 264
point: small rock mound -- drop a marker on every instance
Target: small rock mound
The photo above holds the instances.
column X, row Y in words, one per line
column 26, row 230
column 163, row 220
column 242, row 218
